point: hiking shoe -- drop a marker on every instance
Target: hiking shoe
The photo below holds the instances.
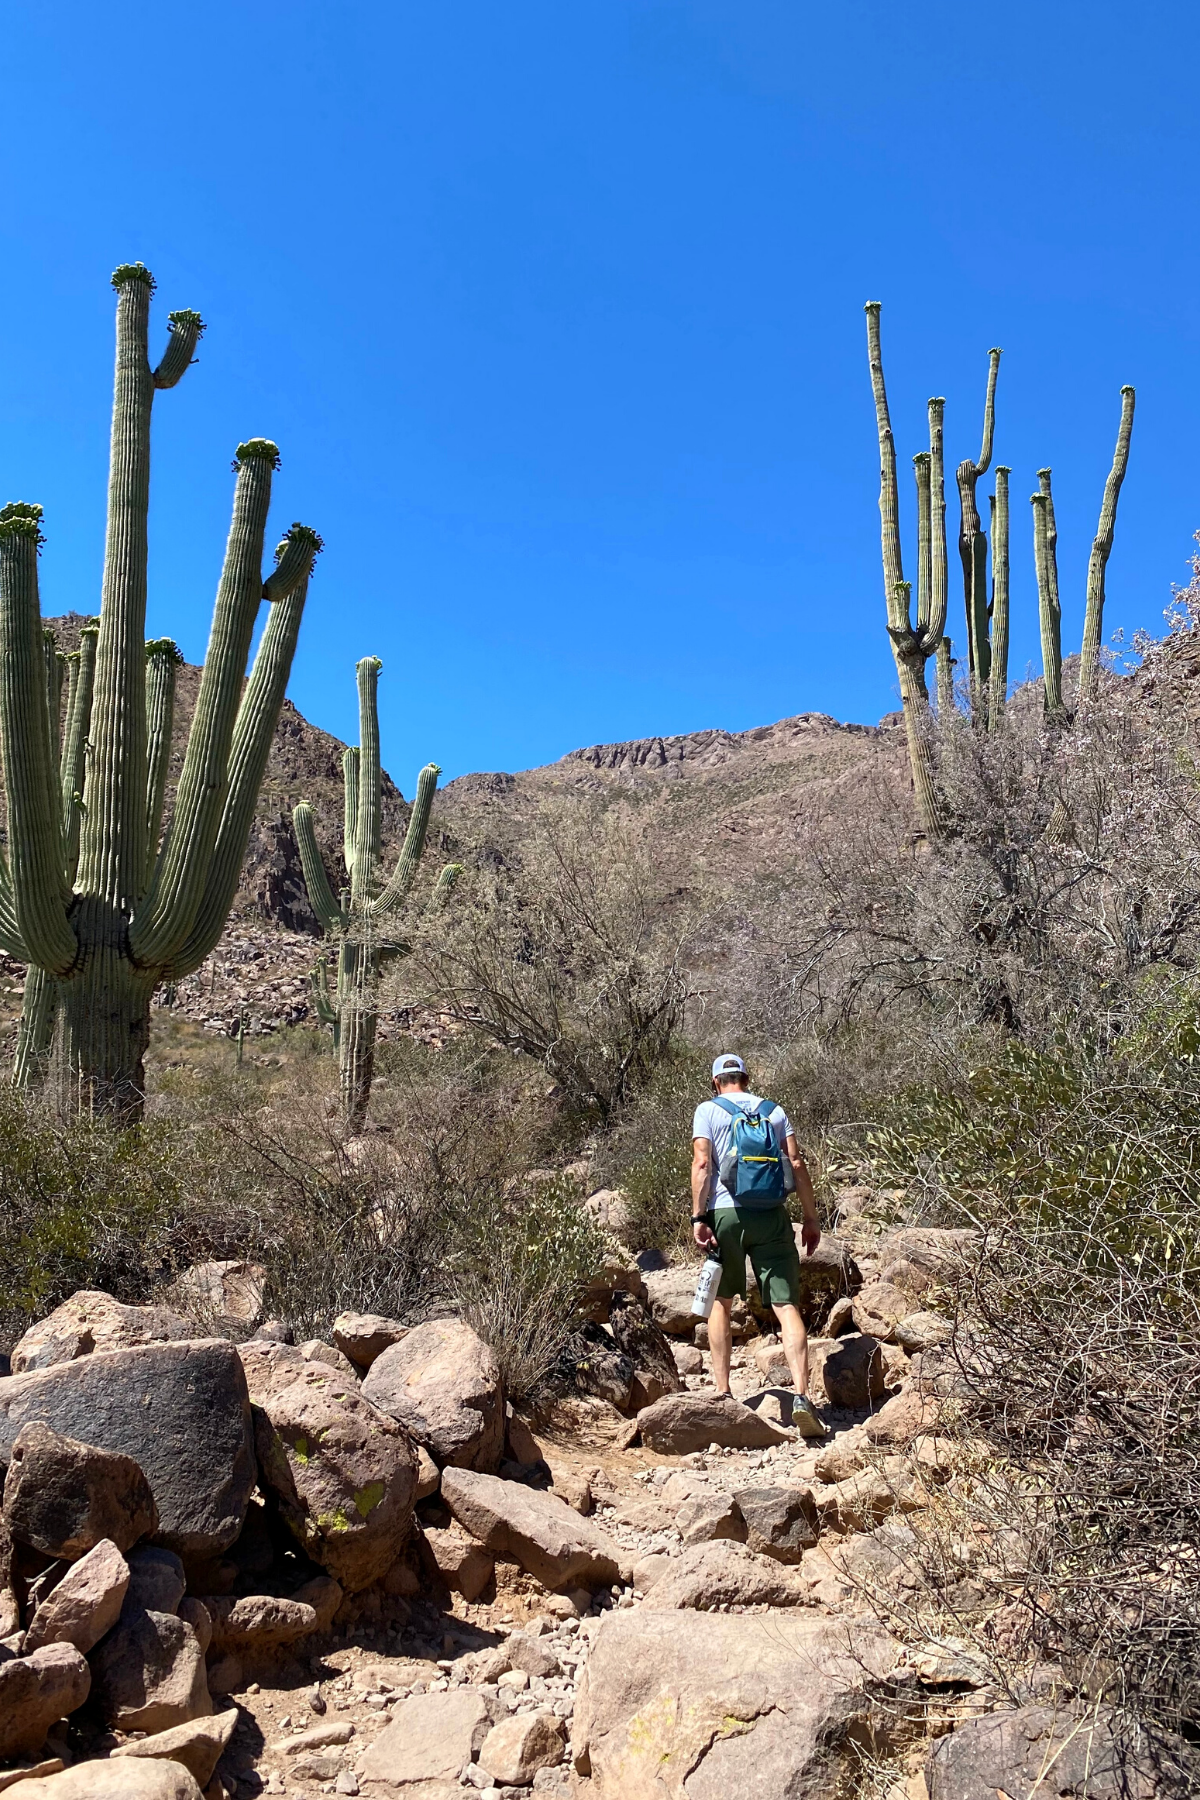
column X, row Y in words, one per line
column 805, row 1420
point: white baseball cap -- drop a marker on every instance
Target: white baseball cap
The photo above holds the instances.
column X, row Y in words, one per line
column 728, row 1065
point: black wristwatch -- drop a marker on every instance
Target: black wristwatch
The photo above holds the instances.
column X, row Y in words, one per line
column 702, row 1218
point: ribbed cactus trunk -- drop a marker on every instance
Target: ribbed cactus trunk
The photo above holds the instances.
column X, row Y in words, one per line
column 1102, row 543
column 363, row 922
column 972, row 550
column 88, row 900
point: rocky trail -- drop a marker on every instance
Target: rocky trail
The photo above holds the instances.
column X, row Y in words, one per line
column 234, row 1565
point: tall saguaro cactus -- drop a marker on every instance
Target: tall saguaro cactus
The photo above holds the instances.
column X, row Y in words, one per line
column 972, row 549
column 363, row 921
column 912, row 645
column 106, row 915
column 1102, row 543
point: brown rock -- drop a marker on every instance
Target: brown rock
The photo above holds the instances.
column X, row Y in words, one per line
column 89, row 1321
column 429, row 1476
column 146, row 1780
column 680, row 1423
column 1098, row 1755
column 825, row 1277
column 670, row 1293
column 876, row 1308
column 724, row 1574
column 85, row 1604
column 36, row 1690
column 842, row 1458
column 324, row 1595
column 853, row 1372
column 614, row 1278
column 518, row 1747
column 766, row 1706
column 363, row 1337
column 517, row 1524
column 197, row 1745
column 907, row 1416
column 918, row 1331
column 429, row 1740
column 193, row 1612
column 779, row 1521
column 156, row 1579
column 63, row 1497
column 148, row 1674
column 532, row 1655
column 443, row 1385
column 709, row 1517
column 688, row 1360
column 344, row 1474
column 465, row 1566
column 257, row 1622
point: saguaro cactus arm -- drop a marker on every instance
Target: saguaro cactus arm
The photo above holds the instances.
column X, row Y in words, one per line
column 1102, row 543
column 81, row 670
column 329, row 913
column 368, row 812
column 971, row 540
column 350, row 766
column 186, row 329
column 889, row 504
column 164, row 921
column 113, row 847
column 253, row 731
column 998, row 679
column 936, row 625
column 39, row 891
column 404, row 874
column 163, row 658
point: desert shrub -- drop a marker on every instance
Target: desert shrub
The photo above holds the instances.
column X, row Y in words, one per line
column 518, row 1271
column 570, row 953
column 1071, row 1533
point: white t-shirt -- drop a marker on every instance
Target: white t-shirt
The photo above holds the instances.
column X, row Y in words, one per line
column 714, row 1123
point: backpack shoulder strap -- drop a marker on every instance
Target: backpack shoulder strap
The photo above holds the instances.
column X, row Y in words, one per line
column 729, row 1106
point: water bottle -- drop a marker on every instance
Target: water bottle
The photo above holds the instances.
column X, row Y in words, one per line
column 706, row 1287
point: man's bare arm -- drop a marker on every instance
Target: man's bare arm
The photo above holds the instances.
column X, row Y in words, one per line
column 810, row 1231
column 701, row 1182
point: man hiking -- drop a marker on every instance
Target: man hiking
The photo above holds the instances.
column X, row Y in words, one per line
column 740, row 1185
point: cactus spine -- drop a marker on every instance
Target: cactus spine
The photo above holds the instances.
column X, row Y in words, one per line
column 912, row 645
column 88, row 898
column 362, row 922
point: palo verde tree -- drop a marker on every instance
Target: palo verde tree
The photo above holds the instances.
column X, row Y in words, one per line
column 89, row 898
column 363, row 921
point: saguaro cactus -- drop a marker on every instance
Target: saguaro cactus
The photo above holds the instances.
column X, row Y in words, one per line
column 1102, row 543
column 106, row 915
column 363, row 921
column 912, row 645
column 972, row 550
column 1045, row 561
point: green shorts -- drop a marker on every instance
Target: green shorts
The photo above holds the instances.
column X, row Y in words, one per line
column 765, row 1237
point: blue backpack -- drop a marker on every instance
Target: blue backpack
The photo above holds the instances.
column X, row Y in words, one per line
column 754, row 1169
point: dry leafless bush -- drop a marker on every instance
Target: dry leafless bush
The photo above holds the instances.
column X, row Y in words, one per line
column 572, row 954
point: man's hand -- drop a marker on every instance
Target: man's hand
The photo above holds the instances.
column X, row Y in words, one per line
column 810, row 1235
column 703, row 1233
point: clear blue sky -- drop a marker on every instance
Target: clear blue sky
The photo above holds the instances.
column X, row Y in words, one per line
column 556, row 313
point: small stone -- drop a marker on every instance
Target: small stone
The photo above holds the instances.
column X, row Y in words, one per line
column 363, row 1337
column 514, row 1680
column 517, row 1748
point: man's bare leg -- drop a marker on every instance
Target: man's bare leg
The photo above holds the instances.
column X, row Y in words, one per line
column 795, row 1345
column 720, row 1338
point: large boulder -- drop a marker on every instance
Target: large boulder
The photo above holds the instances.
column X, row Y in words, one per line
column 36, row 1690
column 518, row 1747
column 343, row 1473
column 89, row 1321
column 148, row 1674
column 85, row 1604
column 442, row 1383
column 197, row 1745
column 180, row 1410
column 643, row 1341
column 876, row 1309
column 853, row 1372
column 167, row 1780
column 552, row 1542
column 680, row 1423
column 769, row 1706
column 257, row 1621
column 62, row 1497
column 157, row 1581
column 780, row 1521
column 592, row 1363
column 430, row 1739
column 363, row 1337
column 825, row 1277
column 1094, row 1754
column 907, row 1415
column 670, row 1298
column 709, row 1576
